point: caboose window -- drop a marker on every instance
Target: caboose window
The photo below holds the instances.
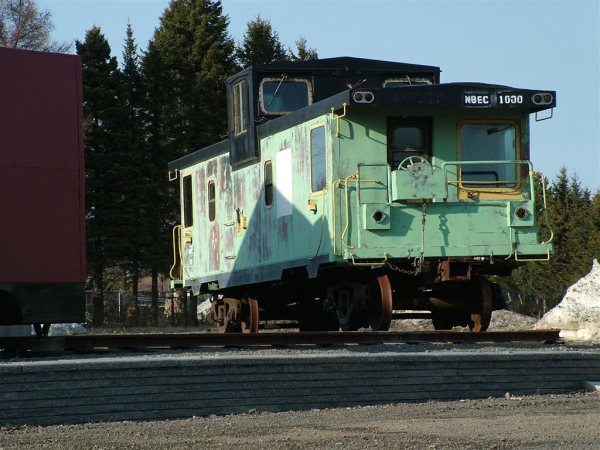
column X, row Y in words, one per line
column 317, row 159
column 268, row 184
column 284, row 95
column 408, row 137
column 188, row 208
column 406, row 81
column 239, row 107
column 212, row 210
column 494, row 141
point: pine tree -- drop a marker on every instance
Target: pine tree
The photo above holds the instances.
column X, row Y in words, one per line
column 100, row 88
column 133, row 164
column 185, row 70
column 303, row 52
column 261, row 44
column 595, row 217
column 575, row 226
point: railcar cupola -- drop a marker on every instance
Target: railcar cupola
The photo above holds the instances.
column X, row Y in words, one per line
column 268, row 92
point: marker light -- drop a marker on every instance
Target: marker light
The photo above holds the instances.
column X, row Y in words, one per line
column 542, row 98
column 363, row 97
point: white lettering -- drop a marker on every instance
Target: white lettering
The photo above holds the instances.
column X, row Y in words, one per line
column 474, row 99
column 510, row 99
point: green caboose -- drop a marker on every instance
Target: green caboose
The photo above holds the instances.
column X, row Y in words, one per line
column 348, row 188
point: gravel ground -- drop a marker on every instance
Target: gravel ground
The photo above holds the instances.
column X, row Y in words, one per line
column 530, row 422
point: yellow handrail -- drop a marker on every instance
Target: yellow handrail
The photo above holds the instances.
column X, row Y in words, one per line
column 547, row 258
column 176, row 238
column 337, row 119
column 347, row 206
column 543, row 179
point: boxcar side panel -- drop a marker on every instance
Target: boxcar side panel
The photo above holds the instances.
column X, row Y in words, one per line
column 42, row 228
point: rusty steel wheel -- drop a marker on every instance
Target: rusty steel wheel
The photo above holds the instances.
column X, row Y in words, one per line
column 249, row 321
column 228, row 313
column 481, row 305
column 380, row 309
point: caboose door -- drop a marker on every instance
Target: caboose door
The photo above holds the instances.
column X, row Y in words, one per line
column 317, row 204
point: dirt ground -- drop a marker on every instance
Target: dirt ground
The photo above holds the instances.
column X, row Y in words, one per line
column 530, row 422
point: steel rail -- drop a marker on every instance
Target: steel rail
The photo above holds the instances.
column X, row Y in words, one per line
column 188, row 340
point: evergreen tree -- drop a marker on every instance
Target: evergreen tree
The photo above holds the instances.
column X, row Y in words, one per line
column 575, row 226
column 23, row 25
column 133, row 166
column 261, row 44
column 303, row 52
column 185, row 70
column 101, row 115
column 595, row 218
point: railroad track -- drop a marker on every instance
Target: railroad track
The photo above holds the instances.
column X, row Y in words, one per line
column 83, row 343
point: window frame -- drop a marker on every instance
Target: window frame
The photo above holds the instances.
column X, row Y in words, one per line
column 261, row 103
column 271, row 185
column 464, row 189
column 407, row 81
column 310, row 156
column 211, row 182
column 187, row 200
column 240, row 110
column 425, row 124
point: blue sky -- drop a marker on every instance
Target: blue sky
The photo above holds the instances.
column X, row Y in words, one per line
column 536, row 44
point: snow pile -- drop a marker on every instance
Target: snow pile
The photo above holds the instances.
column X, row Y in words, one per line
column 67, row 329
column 203, row 310
column 578, row 314
column 504, row 319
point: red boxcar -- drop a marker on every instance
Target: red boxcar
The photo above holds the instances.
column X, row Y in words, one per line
column 42, row 227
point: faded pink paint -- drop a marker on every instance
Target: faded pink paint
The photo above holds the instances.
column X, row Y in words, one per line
column 214, row 252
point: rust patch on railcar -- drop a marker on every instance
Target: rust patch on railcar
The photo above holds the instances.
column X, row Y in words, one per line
column 225, row 185
column 200, row 204
column 213, row 242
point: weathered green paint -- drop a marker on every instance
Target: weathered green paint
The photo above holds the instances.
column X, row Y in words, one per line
column 342, row 221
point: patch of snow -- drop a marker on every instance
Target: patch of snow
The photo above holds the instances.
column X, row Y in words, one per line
column 67, row 329
column 578, row 314
column 202, row 310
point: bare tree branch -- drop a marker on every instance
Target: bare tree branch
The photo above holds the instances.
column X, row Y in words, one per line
column 23, row 25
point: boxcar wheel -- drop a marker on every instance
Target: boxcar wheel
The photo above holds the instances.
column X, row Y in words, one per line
column 481, row 305
column 380, row 308
column 249, row 323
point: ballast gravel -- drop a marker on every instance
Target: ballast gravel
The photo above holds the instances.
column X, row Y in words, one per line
column 529, row 422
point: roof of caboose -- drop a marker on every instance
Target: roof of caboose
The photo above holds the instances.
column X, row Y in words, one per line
column 342, row 63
